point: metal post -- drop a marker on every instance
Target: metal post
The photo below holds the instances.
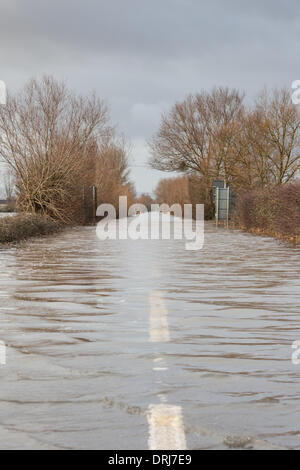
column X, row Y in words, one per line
column 83, row 204
column 217, row 207
column 94, row 203
column 227, row 207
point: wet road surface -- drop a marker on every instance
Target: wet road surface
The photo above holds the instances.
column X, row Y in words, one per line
column 142, row 344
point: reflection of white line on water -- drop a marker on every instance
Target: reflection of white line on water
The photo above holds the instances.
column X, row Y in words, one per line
column 165, row 421
column 160, row 364
column 166, row 428
column 162, row 397
column 159, row 328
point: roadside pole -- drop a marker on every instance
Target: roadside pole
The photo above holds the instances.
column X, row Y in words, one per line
column 94, row 203
column 217, row 207
column 227, row 207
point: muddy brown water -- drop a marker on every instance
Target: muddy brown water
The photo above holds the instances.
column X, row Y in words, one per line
column 83, row 365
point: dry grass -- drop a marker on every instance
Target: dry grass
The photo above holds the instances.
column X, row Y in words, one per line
column 23, row 226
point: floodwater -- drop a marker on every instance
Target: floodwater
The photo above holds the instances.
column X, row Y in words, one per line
column 142, row 344
column 7, row 214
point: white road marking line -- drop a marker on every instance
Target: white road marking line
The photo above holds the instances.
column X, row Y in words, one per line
column 159, row 328
column 166, row 431
column 166, row 428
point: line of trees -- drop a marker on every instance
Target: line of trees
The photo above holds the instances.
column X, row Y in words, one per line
column 55, row 143
column 173, row 191
column 215, row 135
column 186, row 189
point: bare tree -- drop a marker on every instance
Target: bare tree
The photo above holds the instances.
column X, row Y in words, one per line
column 280, row 128
column 213, row 135
column 112, row 172
column 198, row 134
column 49, row 137
column 249, row 165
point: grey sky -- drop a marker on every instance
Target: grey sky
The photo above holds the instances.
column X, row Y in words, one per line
column 142, row 55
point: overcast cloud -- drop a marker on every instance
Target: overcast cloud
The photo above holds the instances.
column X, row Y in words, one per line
column 142, row 55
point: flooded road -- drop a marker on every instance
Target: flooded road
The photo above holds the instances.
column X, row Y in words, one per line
column 142, row 344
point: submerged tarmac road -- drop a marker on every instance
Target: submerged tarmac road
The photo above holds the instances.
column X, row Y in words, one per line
column 142, row 344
